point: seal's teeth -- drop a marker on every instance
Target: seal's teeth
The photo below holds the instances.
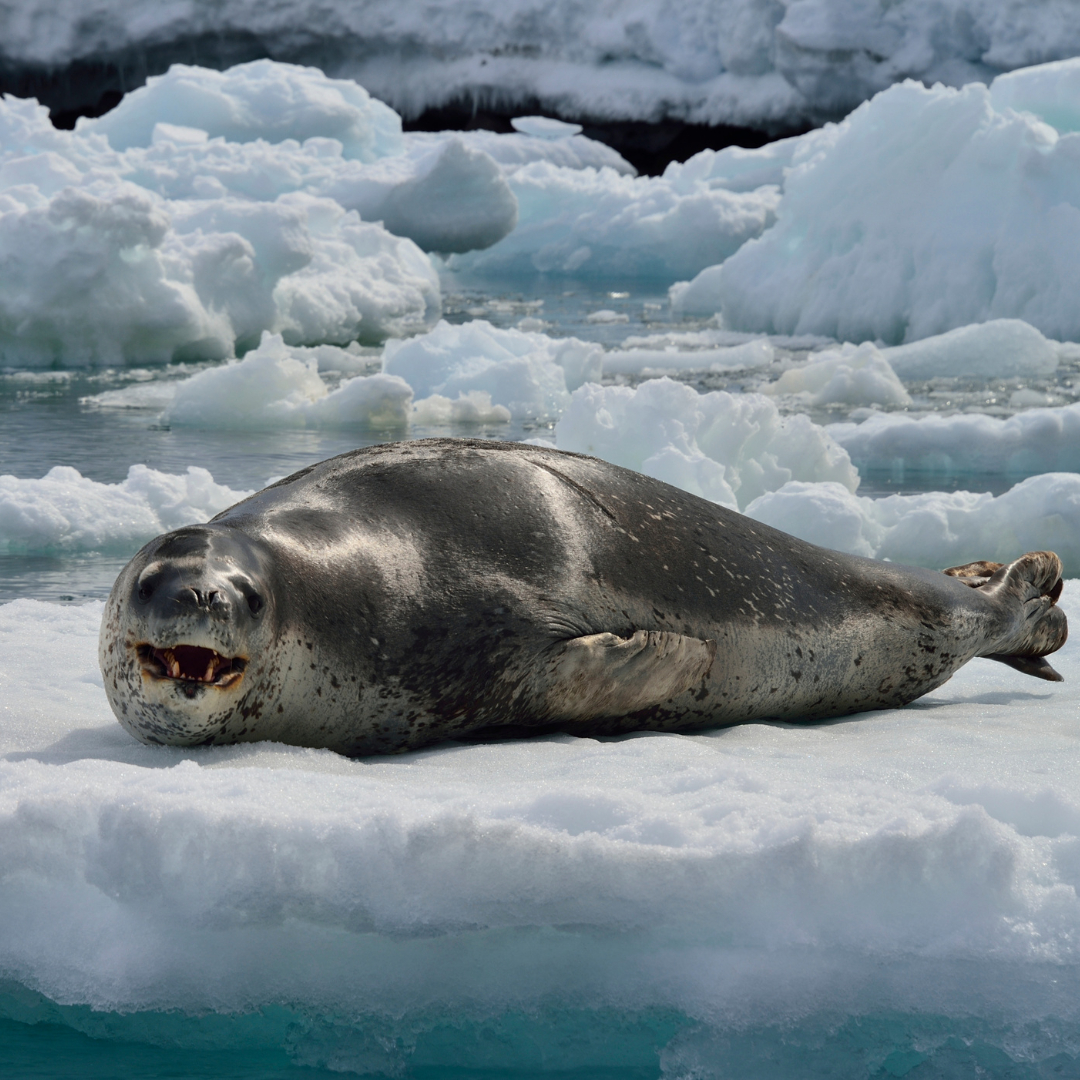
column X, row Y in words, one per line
column 209, row 676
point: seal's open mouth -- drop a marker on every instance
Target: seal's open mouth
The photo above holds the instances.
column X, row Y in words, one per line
column 191, row 663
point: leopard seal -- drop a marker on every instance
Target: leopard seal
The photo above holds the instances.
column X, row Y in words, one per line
column 445, row 589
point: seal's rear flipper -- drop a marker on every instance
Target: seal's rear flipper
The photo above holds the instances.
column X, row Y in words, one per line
column 607, row 675
column 1030, row 588
column 1029, row 665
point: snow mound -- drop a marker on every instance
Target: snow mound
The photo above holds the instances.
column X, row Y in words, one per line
column 925, row 210
column 65, row 511
column 528, row 374
column 724, row 447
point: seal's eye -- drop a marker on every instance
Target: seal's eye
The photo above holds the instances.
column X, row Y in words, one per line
column 254, row 603
column 146, row 590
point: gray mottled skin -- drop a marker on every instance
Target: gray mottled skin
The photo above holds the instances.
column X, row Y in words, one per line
column 438, row 589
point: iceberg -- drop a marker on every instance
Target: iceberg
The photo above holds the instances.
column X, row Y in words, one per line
column 924, row 211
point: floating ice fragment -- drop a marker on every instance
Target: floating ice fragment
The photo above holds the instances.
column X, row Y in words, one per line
column 1037, row 441
column 65, row 511
column 594, row 222
column 935, row 529
column 925, row 210
column 544, row 127
column 850, row 376
column 275, row 386
column 527, row 373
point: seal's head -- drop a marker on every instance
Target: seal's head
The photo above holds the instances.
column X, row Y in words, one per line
column 185, row 628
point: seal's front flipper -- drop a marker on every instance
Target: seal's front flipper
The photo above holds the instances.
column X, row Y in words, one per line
column 1030, row 588
column 608, row 675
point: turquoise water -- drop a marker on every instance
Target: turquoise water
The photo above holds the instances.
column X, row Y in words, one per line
column 571, row 1046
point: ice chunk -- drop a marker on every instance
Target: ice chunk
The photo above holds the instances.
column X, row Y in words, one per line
column 443, row 192
column 1050, row 91
column 65, row 511
column 104, row 272
column 927, row 210
column 850, row 375
column 512, row 150
column 544, row 127
column 273, row 387
column 457, row 200
column 593, row 222
column 997, row 349
column 935, row 529
column 725, row 447
column 93, row 275
column 527, row 373
column 737, row 168
column 258, row 100
column 1037, row 441
column 667, row 356
column 473, row 407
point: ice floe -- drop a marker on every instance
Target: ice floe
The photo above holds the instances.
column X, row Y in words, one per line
column 914, row 861
column 1033, row 441
column 850, row 375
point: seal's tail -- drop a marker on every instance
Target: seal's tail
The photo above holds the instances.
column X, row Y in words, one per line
column 1033, row 581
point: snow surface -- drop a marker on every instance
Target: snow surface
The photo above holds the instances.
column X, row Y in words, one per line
column 757, row 63
column 923, row 211
column 920, row 860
